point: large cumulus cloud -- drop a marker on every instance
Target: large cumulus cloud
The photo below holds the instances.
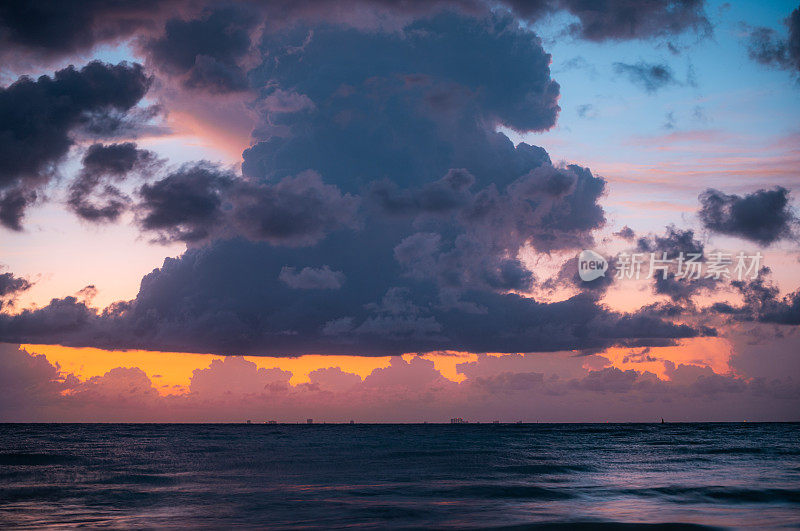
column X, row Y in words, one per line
column 229, row 298
column 379, row 210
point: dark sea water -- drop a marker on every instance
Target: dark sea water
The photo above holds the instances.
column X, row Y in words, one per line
column 403, row 476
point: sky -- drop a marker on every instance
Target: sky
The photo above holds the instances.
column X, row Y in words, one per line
column 212, row 212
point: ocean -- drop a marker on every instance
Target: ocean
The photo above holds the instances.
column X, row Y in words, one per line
column 400, row 475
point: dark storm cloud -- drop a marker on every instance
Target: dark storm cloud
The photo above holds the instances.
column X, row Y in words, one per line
column 50, row 28
column 36, row 118
column 767, row 47
column 549, row 208
column 185, row 205
column 296, row 210
column 428, row 68
column 10, row 286
column 379, row 210
column 764, row 216
column 201, row 200
column 205, row 52
column 445, row 195
column 681, row 285
column 568, row 277
column 13, row 203
column 115, row 159
column 102, row 166
column 762, row 302
column 56, row 320
column 673, row 242
column 651, row 77
column 134, row 123
column 254, row 312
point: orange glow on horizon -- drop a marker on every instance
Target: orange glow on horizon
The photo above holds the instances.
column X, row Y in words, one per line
column 171, row 372
column 713, row 352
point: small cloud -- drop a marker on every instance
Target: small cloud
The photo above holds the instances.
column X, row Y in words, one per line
column 626, row 233
column 699, row 114
column 587, row 111
column 650, row 76
column 576, row 63
column 669, row 120
column 764, row 216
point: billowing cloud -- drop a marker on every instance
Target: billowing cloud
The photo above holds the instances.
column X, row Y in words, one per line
column 334, row 379
column 385, row 182
column 680, row 278
column 10, row 286
column 186, row 204
column 235, row 376
column 200, row 200
column 297, row 210
column 204, row 53
column 46, row 30
column 102, row 166
column 54, row 29
column 764, row 216
column 36, row 118
column 762, row 302
column 28, row 383
column 255, row 313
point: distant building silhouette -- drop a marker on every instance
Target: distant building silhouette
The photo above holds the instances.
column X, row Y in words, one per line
column 458, row 420
column 272, row 422
column 309, row 421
